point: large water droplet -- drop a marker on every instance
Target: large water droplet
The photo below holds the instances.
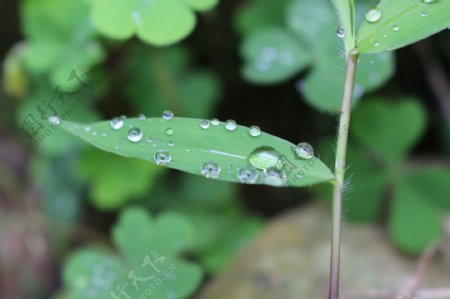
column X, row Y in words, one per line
column 204, row 124
column 340, row 32
column 134, row 134
column 373, row 15
column 167, row 115
column 54, row 120
column 264, row 157
column 211, row 170
column 304, row 150
column 116, row 123
column 275, row 177
column 230, row 125
column 248, row 175
column 162, row 158
column 254, row 131
column 215, row 122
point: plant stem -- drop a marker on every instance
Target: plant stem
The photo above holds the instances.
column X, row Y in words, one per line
column 341, row 151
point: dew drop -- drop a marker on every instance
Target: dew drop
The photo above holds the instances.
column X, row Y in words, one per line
column 169, row 131
column 167, row 115
column 149, row 139
column 54, row 120
column 94, row 133
column 427, row 1
column 87, row 129
column 134, row 134
column 211, row 170
column 116, row 123
column 171, row 143
column 230, row 125
column 141, row 117
column 304, row 150
column 395, row 28
column 264, row 157
column 162, row 158
column 215, row 122
column 376, row 44
column 340, row 32
column 104, row 134
column 247, row 175
column 254, row 131
column 204, row 124
column 424, row 14
column 373, row 15
column 275, row 177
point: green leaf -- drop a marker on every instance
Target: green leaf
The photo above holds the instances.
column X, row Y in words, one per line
column 415, row 223
column 112, row 189
column 161, row 22
column 389, row 129
column 92, row 273
column 432, row 182
column 346, row 13
column 215, row 151
column 272, row 55
column 402, row 22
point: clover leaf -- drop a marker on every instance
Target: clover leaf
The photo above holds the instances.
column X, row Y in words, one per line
column 147, row 263
column 157, row 22
column 280, row 50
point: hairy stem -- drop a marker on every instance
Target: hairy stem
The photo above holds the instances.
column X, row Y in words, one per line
column 341, row 151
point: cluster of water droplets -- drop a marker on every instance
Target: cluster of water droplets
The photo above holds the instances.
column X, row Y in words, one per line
column 375, row 14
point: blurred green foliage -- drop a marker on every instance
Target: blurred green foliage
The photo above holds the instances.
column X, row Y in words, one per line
column 78, row 59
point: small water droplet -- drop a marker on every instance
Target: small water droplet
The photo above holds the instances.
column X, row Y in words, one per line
column 149, row 139
column 116, row 123
column 427, row 1
column 162, row 158
column 87, row 129
column 169, row 131
column 204, row 124
column 254, row 131
column 424, row 14
column 396, row 28
column 104, row 134
column 134, row 134
column 340, row 32
column 215, row 122
column 167, row 115
column 264, row 157
column 373, row 15
column 300, row 175
column 54, row 120
column 211, row 170
column 94, row 133
column 141, row 117
column 376, row 44
column 170, row 143
column 304, row 150
column 275, row 177
column 247, row 175
column 116, row 147
column 230, row 125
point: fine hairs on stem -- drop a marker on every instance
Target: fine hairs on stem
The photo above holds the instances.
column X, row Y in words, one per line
column 341, row 151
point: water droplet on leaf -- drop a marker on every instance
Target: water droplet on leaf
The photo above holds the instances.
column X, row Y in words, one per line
column 167, row 115
column 54, row 120
column 116, row 123
column 254, row 131
column 304, row 150
column 248, row 175
column 230, row 125
column 141, row 117
column 275, row 177
column 340, row 32
column 211, row 170
column 264, row 157
column 373, row 15
column 215, row 122
column 169, row 131
column 395, row 28
column 134, row 134
column 204, row 124
column 424, row 14
column 162, row 158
